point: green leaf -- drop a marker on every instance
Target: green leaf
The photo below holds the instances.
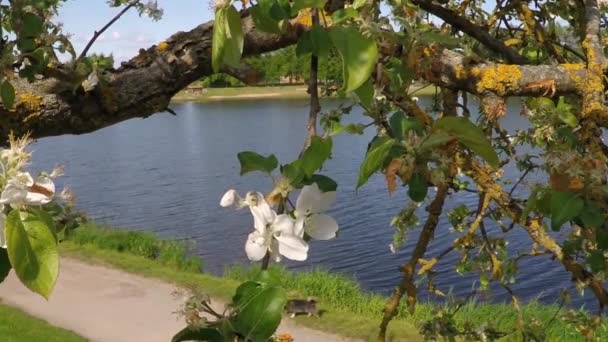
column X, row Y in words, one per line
column 401, row 125
column 374, row 159
column 359, row 55
column 601, row 236
column 418, row 187
column 342, row 15
column 359, row 3
column 434, row 37
column 227, row 41
column 235, row 39
column 259, row 310
column 544, row 203
column 315, row 155
column 32, row 25
column 304, row 46
column 596, row 261
column 293, row 171
column 7, row 93
column 366, row 93
column 434, row 140
column 201, row 334
column 301, row 4
column 251, row 161
column 565, row 113
column 32, row 250
column 5, row 264
column 591, row 216
column 263, row 21
column 26, row 45
column 324, row 183
column 565, row 206
column 321, row 44
column 469, row 135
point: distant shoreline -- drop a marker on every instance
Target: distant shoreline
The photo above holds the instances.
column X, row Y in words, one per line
column 291, row 92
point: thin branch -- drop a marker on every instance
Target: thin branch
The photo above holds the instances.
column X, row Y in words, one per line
column 96, row 34
column 520, row 180
column 472, row 30
column 313, row 90
column 406, row 286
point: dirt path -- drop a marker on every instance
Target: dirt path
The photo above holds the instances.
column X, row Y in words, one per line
column 109, row 305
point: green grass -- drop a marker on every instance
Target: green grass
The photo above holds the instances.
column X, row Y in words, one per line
column 17, row 326
column 173, row 254
column 347, row 309
column 277, row 92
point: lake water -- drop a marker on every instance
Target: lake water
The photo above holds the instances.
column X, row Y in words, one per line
column 166, row 174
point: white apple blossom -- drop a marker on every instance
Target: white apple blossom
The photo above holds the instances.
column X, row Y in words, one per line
column 273, row 233
column 309, row 218
column 23, row 190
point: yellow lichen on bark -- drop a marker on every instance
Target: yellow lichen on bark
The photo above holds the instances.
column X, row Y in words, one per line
column 304, row 18
column 29, row 102
column 593, row 88
column 498, row 79
column 162, row 47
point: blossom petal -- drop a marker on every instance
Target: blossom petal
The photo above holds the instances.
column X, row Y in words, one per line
column 13, row 194
column 41, row 192
column 229, row 198
column 299, row 226
column 23, row 179
column 34, row 198
column 255, row 247
column 292, row 247
column 325, row 201
column 307, row 199
column 263, row 215
column 45, row 184
column 321, row 227
column 283, row 224
column 274, row 251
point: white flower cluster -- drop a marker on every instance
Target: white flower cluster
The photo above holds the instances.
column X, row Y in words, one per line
column 19, row 188
column 284, row 234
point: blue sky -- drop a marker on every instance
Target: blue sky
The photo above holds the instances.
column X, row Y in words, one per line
column 124, row 39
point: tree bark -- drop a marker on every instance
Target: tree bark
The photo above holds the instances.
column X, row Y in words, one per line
column 139, row 88
column 145, row 84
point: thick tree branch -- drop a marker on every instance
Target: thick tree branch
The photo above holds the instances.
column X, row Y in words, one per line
column 140, row 87
column 593, row 94
column 464, row 25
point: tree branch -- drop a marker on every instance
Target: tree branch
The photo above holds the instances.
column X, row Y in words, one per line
column 477, row 32
column 139, row 88
column 96, row 34
column 313, row 90
column 406, row 286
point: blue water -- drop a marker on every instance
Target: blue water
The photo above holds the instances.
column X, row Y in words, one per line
column 167, row 173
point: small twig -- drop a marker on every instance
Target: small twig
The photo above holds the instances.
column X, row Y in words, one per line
column 559, row 308
column 171, row 111
column 520, row 180
column 96, row 34
column 210, row 310
column 313, row 90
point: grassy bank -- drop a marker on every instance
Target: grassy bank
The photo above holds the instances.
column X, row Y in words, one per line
column 257, row 93
column 17, row 326
column 347, row 310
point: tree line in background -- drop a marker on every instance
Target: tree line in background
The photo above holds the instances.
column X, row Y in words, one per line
column 284, row 66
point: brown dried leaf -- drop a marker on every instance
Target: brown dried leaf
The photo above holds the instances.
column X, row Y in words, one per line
column 391, row 175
